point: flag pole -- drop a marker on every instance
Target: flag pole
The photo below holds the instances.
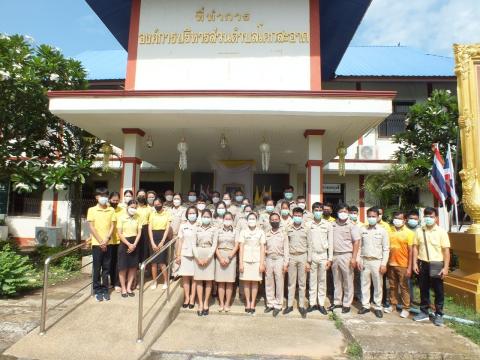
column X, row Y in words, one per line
column 454, row 174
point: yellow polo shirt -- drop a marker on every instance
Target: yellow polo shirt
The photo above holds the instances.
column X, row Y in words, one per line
column 119, row 211
column 400, row 240
column 160, row 220
column 129, row 225
column 437, row 238
column 331, row 219
column 102, row 220
column 144, row 213
column 386, row 226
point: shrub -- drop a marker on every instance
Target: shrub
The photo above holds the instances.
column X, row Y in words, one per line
column 16, row 272
column 70, row 263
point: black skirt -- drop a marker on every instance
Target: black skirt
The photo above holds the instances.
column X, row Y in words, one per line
column 157, row 238
column 127, row 260
column 143, row 244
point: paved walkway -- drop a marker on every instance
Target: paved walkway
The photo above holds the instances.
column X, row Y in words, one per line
column 238, row 335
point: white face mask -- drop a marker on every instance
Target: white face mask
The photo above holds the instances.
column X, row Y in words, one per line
column 269, row 208
column 301, row 206
column 127, row 199
column 227, row 222
column 238, row 198
column 252, row 222
column 192, row 217
column 177, row 202
column 227, row 202
column 343, row 215
column 215, row 199
column 102, row 200
column 201, row 206
column 398, row 223
column 150, row 200
column 131, row 211
column 192, row 198
column 169, row 197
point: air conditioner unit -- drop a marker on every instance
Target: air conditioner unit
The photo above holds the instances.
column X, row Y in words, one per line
column 367, row 152
column 48, row 236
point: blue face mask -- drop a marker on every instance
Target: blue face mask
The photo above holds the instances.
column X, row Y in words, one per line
column 318, row 214
column 285, row 212
column 192, row 217
column 269, row 208
column 206, row 220
column 429, row 221
column 297, row 220
column 372, row 220
column 221, row 212
column 288, row 195
column 412, row 223
column 238, row 198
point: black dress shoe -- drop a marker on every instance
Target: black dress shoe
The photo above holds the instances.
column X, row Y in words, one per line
column 205, row 312
column 345, row 309
column 184, row 306
column 287, row 310
column 322, row 310
column 312, row 308
column 191, row 306
column 333, row 307
column 252, row 311
column 247, row 310
column 200, row 312
column 378, row 313
column 363, row 311
column 276, row 312
column 303, row 312
column 267, row 310
column 124, row 295
column 131, row 294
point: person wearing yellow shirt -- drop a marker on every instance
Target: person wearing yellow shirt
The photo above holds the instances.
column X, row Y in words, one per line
column 353, row 216
column 158, row 228
column 114, row 200
column 431, row 260
column 129, row 230
column 143, row 211
column 399, row 267
column 101, row 222
column 327, row 212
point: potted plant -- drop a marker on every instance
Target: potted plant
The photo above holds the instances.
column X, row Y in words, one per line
column 3, row 230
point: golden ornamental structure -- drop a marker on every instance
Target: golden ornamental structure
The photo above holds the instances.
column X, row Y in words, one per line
column 467, row 70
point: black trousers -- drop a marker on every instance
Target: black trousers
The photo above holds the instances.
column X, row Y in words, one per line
column 101, row 268
column 114, row 279
column 426, row 283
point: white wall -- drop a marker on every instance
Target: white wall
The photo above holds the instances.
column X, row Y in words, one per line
column 223, row 66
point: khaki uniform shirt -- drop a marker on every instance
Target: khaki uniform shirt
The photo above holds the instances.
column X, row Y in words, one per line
column 344, row 235
column 207, row 237
column 320, row 238
column 226, row 239
column 297, row 239
column 277, row 245
column 375, row 244
column 188, row 234
column 251, row 240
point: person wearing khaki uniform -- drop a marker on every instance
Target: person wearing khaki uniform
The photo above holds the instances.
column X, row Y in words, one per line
column 346, row 237
column 374, row 251
column 297, row 266
column 277, row 258
column 320, row 239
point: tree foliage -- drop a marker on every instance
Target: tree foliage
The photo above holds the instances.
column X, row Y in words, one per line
column 427, row 123
column 16, row 271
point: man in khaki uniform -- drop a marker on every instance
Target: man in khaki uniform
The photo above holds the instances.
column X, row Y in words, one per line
column 276, row 249
column 320, row 239
column 264, row 216
column 288, row 197
column 297, row 266
column 374, row 251
column 346, row 237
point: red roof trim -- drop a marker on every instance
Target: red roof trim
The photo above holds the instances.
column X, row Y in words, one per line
column 228, row 93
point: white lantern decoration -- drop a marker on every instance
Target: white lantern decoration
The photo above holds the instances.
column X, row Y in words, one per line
column 182, row 148
column 265, row 151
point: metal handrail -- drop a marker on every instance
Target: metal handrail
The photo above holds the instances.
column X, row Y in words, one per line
column 43, row 311
column 149, row 260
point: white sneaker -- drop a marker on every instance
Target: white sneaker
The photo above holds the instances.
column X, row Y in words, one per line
column 404, row 314
column 387, row 310
column 164, row 287
column 153, row 286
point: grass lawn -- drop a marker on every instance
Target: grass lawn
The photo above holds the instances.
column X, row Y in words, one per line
column 458, row 310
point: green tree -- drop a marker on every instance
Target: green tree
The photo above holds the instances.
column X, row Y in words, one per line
column 38, row 149
column 427, row 123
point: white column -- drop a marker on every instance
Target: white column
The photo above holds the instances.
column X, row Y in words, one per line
column 314, row 166
column 293, row 177
column 131, row 159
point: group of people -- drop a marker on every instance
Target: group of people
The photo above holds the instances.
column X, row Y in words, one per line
column 223, row 239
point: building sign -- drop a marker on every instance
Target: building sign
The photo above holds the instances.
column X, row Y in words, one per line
column 223, row 45
column 332, row 188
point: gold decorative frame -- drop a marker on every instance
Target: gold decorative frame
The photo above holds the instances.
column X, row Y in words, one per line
column 467, row 70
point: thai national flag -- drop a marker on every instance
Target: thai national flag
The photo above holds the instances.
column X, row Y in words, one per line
column 450, row 177
column 437, row 184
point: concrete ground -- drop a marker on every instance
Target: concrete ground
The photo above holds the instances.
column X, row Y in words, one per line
column 238, row 335
column 100, row 330
column 393, row 337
